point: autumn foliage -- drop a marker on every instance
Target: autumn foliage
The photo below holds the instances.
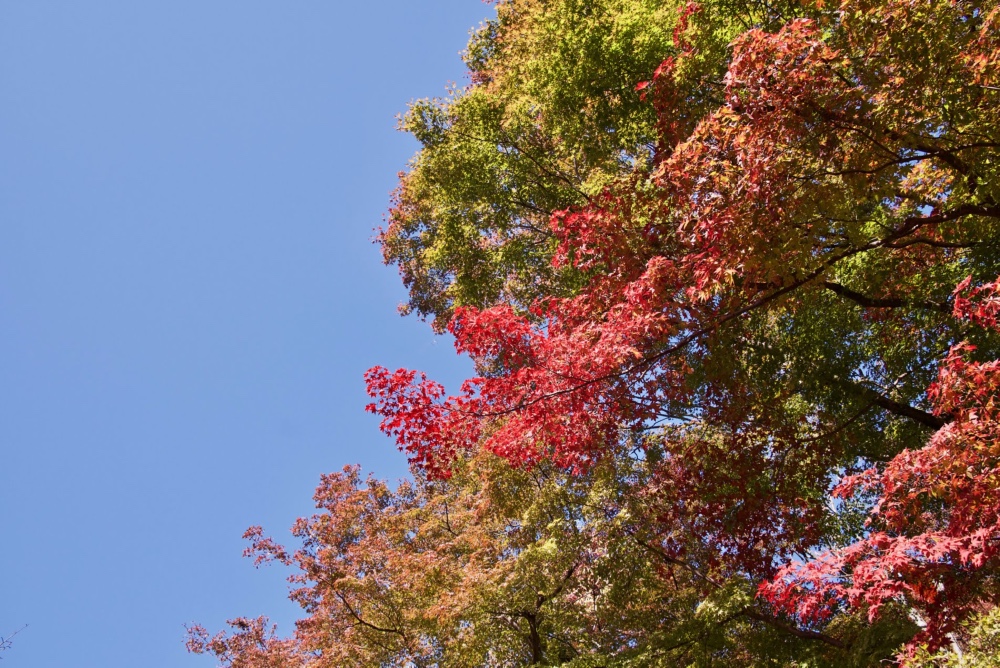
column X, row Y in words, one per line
column 933, row 534
column 750, row 293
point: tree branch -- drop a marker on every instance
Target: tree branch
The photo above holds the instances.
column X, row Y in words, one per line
column 876, row 302
column 794, row 630
column 898, row 408
column 361, row 621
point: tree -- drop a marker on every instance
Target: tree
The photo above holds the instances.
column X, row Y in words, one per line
column 768, row 294
column 728, row 273
column 505, row 566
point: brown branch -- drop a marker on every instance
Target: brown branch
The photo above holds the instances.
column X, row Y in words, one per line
column 544, row 598
column 794, row 630
column 897, row 407
column 361, row 621
column 673, row 561
column 883, row 302
column 839, row 428
column 936, row 244
column 447, row 521
column 534, row 639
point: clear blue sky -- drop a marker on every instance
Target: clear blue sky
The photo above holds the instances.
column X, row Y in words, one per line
column 189, row 298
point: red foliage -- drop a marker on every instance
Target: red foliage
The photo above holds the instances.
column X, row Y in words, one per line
column 935, row 530
column 605, row 361
column 252, row 644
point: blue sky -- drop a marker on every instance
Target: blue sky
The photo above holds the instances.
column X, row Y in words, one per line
column 189, row 297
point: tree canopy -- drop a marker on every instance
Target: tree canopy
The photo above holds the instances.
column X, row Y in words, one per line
column 728, row 272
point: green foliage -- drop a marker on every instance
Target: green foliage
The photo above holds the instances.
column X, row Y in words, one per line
column 553, row 116
column 977, row 646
